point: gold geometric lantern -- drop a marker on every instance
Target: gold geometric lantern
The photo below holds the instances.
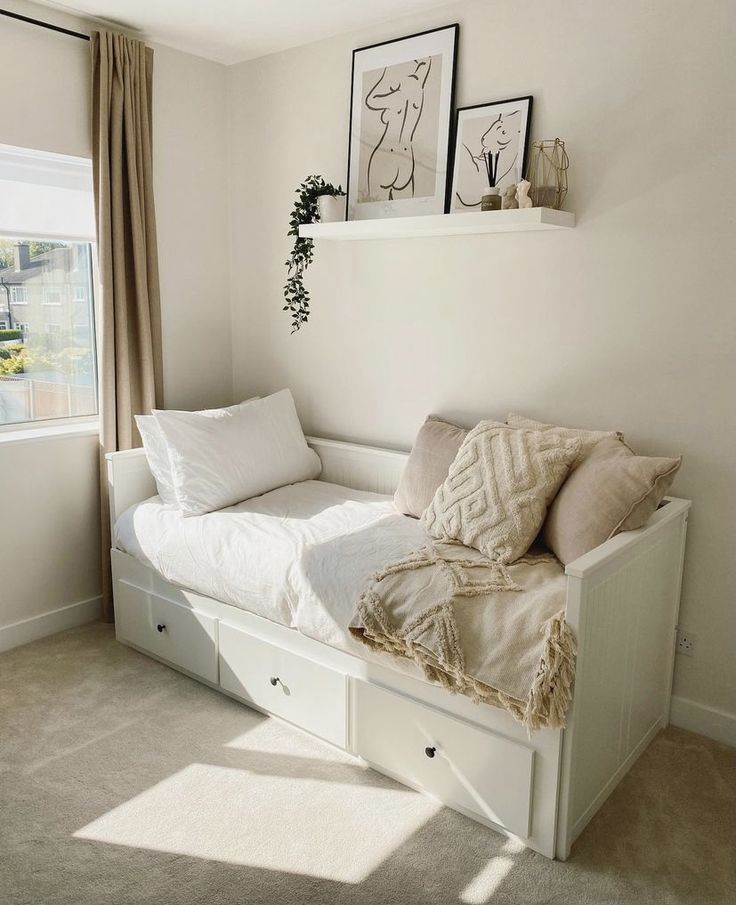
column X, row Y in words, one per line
column 547, row 172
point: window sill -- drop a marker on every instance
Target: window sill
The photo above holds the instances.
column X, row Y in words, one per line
column 50, row 432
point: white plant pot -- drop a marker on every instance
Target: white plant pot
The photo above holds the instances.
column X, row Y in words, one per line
column 331, row 208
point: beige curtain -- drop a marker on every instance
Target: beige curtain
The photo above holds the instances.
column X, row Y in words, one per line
column 129, row 314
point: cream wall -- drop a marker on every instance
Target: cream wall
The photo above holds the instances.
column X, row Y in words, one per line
column 627, row 322
column 50, row 487
column 50, row 538
column 190, row 178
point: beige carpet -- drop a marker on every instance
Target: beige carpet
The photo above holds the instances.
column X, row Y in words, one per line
column 122, row 781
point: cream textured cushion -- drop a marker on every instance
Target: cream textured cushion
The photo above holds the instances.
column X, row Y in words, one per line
column 238, row 453
column 496, row 494
column 434, row 451
column 611, row 490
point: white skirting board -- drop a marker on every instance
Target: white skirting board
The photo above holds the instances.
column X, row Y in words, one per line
column 709, row 721
column 44, row 624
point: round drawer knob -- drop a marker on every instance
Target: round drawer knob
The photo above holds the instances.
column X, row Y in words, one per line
column 274, row 680
column 160, row 627
column 430, row 752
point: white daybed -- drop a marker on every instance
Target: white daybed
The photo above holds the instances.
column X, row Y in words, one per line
column 622, row 604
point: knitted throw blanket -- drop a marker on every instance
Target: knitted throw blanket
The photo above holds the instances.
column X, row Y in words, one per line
column 449, row 608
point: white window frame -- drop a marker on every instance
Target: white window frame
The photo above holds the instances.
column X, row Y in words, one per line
column 78, row 425
column 14, row 300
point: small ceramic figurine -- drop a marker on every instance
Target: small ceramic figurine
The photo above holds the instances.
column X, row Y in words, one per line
column 509, row 202
column 522, row 193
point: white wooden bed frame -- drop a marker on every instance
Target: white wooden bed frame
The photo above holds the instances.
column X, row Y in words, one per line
column 542, row 789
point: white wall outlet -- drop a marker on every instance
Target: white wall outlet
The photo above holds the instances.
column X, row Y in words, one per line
column 686, row 642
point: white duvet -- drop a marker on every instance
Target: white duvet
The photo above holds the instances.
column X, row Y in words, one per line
column 300, row 555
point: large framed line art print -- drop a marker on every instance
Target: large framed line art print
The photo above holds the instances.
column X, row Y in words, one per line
column 401, row 105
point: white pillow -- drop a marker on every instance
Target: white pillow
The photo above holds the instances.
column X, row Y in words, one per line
column 157, row 452
column 228, row 455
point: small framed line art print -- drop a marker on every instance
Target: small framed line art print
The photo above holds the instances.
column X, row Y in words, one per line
column 491, row 143
column 401, row 103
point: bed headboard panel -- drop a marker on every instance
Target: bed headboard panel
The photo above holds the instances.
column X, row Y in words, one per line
column 361, row 467
column 130, row 481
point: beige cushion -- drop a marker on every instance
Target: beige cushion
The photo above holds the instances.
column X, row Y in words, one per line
column 588, row 439
column 496, row 494
column 434, row 450
column 611, row 490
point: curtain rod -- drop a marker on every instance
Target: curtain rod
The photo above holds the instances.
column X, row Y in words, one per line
column 63, row 31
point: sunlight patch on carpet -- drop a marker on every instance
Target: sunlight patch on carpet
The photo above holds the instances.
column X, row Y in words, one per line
column 483, row 885
column 274, row 737
column 305, row 826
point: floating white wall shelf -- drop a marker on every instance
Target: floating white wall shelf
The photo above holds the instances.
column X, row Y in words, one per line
column 465, row 224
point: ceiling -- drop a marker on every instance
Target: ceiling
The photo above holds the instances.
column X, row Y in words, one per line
column 230, row 31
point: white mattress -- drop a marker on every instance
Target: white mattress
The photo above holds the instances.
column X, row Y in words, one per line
column 300, row 555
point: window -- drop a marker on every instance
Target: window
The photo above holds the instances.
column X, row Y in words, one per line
column 48, row 368
column 51, row 296
column 49, row 372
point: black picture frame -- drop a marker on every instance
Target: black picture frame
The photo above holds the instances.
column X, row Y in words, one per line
column 457, row 135
column 449, row 135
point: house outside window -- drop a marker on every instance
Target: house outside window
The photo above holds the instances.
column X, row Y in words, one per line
column 48, row 366
column 48, row 371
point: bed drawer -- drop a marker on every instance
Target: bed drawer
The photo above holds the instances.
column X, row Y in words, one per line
column 183, row 636
column 460, row 764
column 283, row 683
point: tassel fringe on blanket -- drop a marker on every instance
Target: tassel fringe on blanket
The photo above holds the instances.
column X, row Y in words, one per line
column 551, row 693
column 396, row 615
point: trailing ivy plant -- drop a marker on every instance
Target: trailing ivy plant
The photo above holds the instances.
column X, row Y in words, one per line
column 305, row 210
